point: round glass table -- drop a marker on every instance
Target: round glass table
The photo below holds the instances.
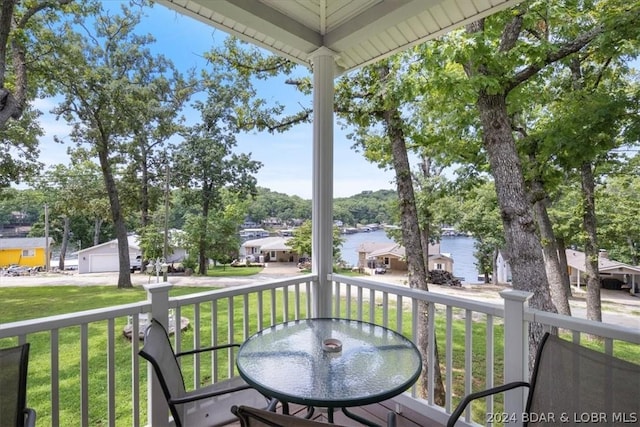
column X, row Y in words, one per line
column 332, row 363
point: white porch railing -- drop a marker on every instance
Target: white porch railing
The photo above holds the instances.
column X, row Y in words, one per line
column 471, row 340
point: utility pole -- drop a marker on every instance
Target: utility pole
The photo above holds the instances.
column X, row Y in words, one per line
column 47, row 261
column 165, row 250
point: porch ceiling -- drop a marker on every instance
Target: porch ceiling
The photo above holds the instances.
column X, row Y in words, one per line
column 359, row 32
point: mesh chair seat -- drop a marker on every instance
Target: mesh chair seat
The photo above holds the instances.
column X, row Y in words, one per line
column 253, row 417
column 205, row 406
column 570, row 382
column 13, row 388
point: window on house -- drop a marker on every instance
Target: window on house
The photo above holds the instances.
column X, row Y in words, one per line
column 439, row 266
column 387, row 261
column 28, row 252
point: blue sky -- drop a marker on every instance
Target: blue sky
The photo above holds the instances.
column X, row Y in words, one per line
column 286, row 157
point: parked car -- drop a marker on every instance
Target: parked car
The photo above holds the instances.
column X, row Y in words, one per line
column 18, row 270
column 135, row 264
column 381, row 269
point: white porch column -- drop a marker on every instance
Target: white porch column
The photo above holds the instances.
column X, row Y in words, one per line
column 157, row 407
column 516, row 350
column 322, row 202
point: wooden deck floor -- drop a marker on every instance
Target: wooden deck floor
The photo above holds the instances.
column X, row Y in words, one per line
column 376, row 413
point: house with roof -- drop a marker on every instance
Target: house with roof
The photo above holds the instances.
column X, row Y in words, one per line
column 270, row 249
column 104, row 257
column 392, row 256
column 25, row 251
column 613, row 274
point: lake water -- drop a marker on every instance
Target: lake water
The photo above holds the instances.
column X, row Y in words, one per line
column 459, row 248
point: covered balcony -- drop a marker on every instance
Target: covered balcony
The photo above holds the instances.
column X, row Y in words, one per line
column 479, row 344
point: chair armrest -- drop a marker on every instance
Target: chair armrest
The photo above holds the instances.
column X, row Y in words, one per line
column 212, row 348
column 30, row 417
column 480, row 394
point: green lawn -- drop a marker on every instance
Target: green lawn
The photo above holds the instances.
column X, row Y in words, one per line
column 228, row 271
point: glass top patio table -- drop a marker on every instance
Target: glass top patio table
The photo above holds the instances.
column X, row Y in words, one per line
column 288, row 362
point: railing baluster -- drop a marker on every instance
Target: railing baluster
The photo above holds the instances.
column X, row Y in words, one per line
column 372, row 305
column 197, row 343
column 297, row 301
column 385, row 309
column 308, row 292
column 273, row 307
column 468, row 357
column 245, row 317
column 285, row 304
column 84, row 374
column 55, row 377
column 489, row 358
column 449, row 356
column 399, row 317
column 260, row 297
column 336, row 299
column 111, row 372
column 431, row 348
column 135, row 370
column 178, row 319
column 214, row 339
column 230, row 336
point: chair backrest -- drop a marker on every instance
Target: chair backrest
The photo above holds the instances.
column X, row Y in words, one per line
column 253, row 417
column 577, row 385
column 157, row 349
column 13, row 385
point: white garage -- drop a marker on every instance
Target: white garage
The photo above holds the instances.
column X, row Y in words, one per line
column 104, row 257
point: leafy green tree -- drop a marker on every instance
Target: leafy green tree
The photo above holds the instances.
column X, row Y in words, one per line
column 269, row 204
column 28, row 34
column 500, row 56
column 71, row 193
column 205, row 160
column 25, row 35
column 375, row 100
column 101, row 90
column 300, row 242
column 617, row 209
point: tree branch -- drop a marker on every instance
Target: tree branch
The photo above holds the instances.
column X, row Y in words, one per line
column 561, row 52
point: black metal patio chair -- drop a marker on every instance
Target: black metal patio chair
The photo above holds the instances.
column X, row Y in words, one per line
column 205, row 406
column 253, row 417
column 570, row 384
column 14, row 363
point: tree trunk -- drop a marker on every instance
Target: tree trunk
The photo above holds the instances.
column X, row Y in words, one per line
column 97, row 225
column 411, row 236
column 594, row 307
column 202, row 242
column 494, row 278
column 124, row 276
column 144, row 187
column 523, row 250
column 559, row 293
column 65, row 242
column 564, row 265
